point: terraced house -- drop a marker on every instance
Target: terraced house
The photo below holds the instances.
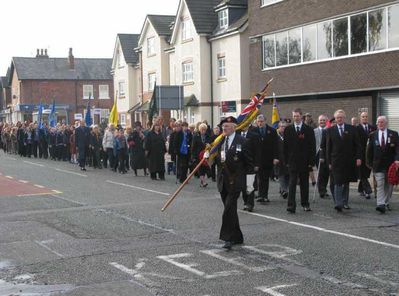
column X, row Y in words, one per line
column 328, row 54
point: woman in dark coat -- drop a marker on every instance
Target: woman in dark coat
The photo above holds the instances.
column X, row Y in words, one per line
column 136, row 149
column 200, row 140
column 155, row 149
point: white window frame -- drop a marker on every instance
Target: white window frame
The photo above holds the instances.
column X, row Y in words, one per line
column 186, row 33
column 188, row 72
column 118, row 57
column 103, row 95
column 223, row 17
column 151, row 46
column 123, row 119
column 121, row 88
column 87, row 90
column 264, row 3
column 349, row 55
column 152, row 79
column 221, row 66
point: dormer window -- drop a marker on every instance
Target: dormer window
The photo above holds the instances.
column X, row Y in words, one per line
column 186, row 29
column 223, row 19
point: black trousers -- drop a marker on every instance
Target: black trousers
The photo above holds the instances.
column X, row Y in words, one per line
column 182, row 167
column 43, row 149
column 304, row 188
column 230, row 230
column 82, row 156
column 35, row 146
column 364, row 186
column 322, row 179
column 263, row 179
column 110, row 157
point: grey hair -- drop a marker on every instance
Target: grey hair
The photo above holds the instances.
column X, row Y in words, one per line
column 260, row 116
column 382, row 117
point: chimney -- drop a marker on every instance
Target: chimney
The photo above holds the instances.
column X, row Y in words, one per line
column 41, row 52
column 71, row 60
column 45, row 53
column 37, row 53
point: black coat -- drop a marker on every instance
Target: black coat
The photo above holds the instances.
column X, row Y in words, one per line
column 96, row 141
column 364, row 171
column 136, row 150
column 299, row 149
column 232, row 172
column 380, row 159
column 154, row 145
column 197, row 145
column 265, row 148
column 342, row 153
column 82, row 136
column 177, row 142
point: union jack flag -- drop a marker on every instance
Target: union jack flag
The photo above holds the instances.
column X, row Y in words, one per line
column 253, row 104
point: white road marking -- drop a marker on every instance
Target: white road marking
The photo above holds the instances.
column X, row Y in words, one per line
column 33, row 163
column 9, row 177
column 276, row 251
column 272, row 290
column 136, row 187
column 136, row 221
column 216, row 253
column 38, row 186
column 23, row 181
column 377, row 279
column 69, row 200
column 43, row 245
column 70, row 172
column 324, row 230
column 190, row 266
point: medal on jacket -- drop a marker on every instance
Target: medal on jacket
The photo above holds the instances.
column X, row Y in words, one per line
column 223, row 156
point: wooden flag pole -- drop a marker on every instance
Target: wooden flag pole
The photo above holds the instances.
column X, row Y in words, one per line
column 170, row 200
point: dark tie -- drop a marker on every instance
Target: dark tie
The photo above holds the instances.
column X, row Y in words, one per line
column 382, row 141
column 226, row 145
column 341, row 131
column 203, row 140
column 367, row 129
column 262, row 131
column 297, row 129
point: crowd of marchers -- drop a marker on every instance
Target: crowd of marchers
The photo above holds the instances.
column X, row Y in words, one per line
column 327, row 155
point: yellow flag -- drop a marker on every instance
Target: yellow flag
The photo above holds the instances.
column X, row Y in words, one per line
column 113, row 116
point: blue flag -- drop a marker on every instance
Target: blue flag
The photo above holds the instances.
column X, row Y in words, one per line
column 52, row 116
column 88, row 119
column 40, row 116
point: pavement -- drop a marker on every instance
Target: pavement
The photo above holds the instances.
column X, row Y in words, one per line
column 67, row 232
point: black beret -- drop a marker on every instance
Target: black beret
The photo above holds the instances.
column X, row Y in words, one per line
column 230, row 119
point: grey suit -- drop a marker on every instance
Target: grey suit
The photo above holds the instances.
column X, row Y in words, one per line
column 323, row 170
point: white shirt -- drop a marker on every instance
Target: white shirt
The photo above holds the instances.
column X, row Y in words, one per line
column 341, row 129
column 231, row 139
column 298, row 125
column 380, row 135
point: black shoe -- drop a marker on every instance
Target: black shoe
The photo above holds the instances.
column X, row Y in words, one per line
column 245, row 208
column 238, row 242
column 322, row 195
column 227, row 245
column 307, row 209
column 285, row 195
column 362, row 194
column 82, row 169
column 380, row 209
column 367, row 196
column 250, row 209
column 260, row 199
column 346, row 207
column 267, row 199
column 338, row 208
column 388, row 207
column 291, row 210
column 313, row 184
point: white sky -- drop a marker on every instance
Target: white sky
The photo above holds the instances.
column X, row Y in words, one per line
column 88, row 26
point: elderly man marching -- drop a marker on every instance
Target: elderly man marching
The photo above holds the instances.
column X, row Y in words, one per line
column 233, row 160
column 343, row 154
column 382, row 151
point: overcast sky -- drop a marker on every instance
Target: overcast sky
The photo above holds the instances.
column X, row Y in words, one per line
column 88, row 26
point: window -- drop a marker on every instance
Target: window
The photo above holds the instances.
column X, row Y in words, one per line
column 123, row 119
column 377, row 30
column 152, row 77
column 358, row 33
column 340, row 37
column 223, row 19
column 88, row 91
column 151, row 46
column 324, row 40
column 186, row 29
column 281, row 49
column 221, row 67
column 309, row 46
column 269, row 2
column 393, row 26
column 188, row 72
column 121, row 88
column 269, row 55
column 294, row 41
column 118, row 57
column 104, row 91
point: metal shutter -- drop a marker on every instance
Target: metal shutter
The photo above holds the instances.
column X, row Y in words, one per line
column 389, row 106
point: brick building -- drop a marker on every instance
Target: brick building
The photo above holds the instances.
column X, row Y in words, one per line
column 327, row 54
column 5, row 97
column 68, row 81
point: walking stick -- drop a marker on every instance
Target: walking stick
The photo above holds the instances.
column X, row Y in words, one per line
column 170, row 200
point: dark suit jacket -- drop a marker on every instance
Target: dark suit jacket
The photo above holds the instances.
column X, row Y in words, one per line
column 342, row 152
column 178, row 140
column 197, row 145
column 364, row 171
column 265, row 147
column 82, row 136
column 299, row 149
column 232, row 173
column 380, row 159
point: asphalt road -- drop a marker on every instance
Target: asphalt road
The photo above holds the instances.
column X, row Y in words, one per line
column 64, row 232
